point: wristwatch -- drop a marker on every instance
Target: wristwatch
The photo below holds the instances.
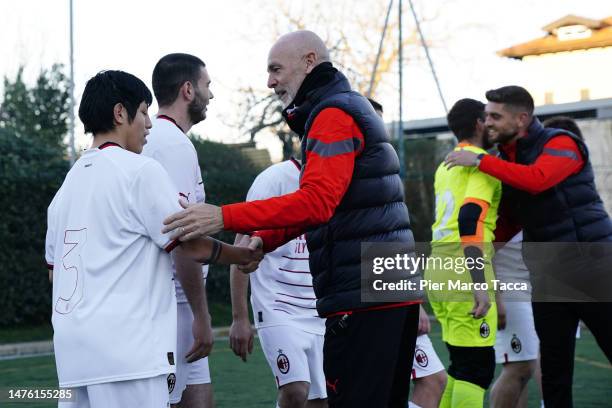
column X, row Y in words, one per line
column 479, row 158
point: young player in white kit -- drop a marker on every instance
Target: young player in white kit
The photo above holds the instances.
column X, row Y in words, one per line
column 181, row 87
column 283, row 302
column 114, row 308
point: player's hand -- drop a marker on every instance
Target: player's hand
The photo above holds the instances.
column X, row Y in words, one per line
column 241, row 338
column 202, row 339
column 482, row 304
column 424, row 325
column 195, row 221
column 460, row 158
column 256, row 245
column 501, row 314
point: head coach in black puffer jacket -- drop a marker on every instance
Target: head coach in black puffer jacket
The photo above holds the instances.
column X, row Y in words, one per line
column 350, row 193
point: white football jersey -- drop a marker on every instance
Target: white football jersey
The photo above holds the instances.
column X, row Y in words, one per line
column 168, row 145
column 281, row 288
column 114, row 308
column 508, row 262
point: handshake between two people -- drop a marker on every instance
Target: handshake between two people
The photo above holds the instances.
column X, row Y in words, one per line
column 196, row 223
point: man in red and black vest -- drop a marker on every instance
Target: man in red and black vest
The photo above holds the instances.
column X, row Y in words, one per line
column 350, row 193
column 549, row 190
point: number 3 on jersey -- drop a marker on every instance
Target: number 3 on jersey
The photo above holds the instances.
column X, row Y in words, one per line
column 71, row 277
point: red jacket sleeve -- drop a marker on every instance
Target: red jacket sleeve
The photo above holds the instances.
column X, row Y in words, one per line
column 272, row 239
column 334, row 140
column 559, row 159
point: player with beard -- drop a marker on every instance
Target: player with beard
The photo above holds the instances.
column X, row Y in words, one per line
column 465, row 217
column 181, row 85
column 549, row 188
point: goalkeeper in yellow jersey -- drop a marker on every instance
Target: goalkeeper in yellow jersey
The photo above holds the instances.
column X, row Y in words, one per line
column 466, row 212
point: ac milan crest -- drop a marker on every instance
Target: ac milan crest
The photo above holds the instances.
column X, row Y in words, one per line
column 282, row 362
column 516, row 345
column 421, row 358
column 171, row 382
column 485, row 330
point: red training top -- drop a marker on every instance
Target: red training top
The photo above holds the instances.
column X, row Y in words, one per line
column 560, row 159
column 334, row 141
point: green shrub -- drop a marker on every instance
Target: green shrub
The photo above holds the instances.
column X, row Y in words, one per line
column 227, row 176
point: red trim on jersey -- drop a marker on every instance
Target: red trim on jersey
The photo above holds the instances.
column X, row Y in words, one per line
column 560, row 159
column 297, row 297
column 173, row 244
column 293, row 304
column 334, row 142
column 413, row 374
column 295, row 259
column 169, row 119
column 282, row 310
column 290, row 271
column 109, row 144
column 49, row 266
column 293, row 284
column 368, row 309
column 296, row 162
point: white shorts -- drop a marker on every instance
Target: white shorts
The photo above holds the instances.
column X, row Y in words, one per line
column 187, row 373
column 426, row 362
column 145, row 392
column 295, row 355
column 518, row 341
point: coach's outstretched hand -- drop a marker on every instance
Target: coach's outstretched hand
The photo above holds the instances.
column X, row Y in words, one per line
column 461, row 158
column 202, row 339
column 195, row 221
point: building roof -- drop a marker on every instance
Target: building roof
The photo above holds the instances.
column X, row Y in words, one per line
column 569, row 33
column 591, row 109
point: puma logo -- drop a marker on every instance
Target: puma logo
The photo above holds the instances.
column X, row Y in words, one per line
column 332, row 386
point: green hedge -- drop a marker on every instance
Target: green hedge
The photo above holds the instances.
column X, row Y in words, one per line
column 227, row 176
column 31, row 174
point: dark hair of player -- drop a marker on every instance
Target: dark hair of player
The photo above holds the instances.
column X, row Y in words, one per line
column 103, row 92
column 514, row 96
column 463, row 116
column 565, row 123
column 171, row 72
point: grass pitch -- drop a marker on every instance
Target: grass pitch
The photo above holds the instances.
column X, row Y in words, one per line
column 237, row 384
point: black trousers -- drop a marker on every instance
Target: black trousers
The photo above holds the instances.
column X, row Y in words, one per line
column 556, row 325
column 367, row 357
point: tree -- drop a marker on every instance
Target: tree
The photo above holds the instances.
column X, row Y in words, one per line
column 353, row 44
column 33, row 165
column 227, row 176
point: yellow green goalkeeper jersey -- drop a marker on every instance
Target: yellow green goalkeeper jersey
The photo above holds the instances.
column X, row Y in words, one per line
column 452, row 188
